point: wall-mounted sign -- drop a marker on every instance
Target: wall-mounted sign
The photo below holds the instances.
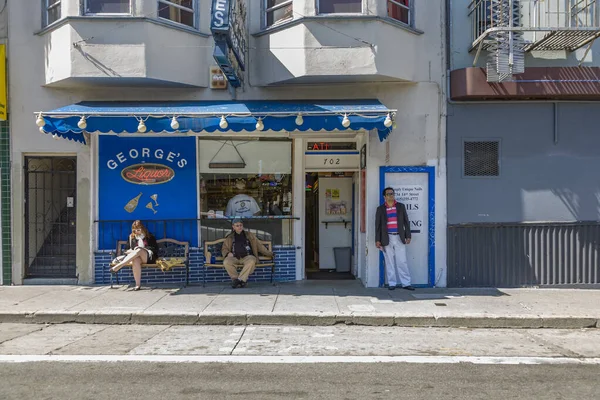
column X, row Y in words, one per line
column 228, row 26
column 324, row 146
column 331, row 160
column 149, row 178
column 217, row 78
column 3, row 84
column 147, row 174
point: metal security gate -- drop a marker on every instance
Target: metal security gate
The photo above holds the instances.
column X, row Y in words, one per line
column 50, row 211
column 526, row 254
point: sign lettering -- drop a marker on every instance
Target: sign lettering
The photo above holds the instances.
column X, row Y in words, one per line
column 147, row 174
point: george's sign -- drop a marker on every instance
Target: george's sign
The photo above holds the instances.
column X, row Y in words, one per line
column 147, row 174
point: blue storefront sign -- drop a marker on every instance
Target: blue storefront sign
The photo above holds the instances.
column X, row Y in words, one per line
column 150, row 179
column 228, row 26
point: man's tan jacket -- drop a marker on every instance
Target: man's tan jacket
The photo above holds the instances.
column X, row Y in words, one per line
column 255, row 245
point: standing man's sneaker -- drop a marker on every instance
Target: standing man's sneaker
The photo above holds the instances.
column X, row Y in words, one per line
column 409, row 287
column 236, row 283
column 391, row 287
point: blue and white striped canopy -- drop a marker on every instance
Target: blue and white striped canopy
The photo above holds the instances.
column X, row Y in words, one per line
column 124, row 117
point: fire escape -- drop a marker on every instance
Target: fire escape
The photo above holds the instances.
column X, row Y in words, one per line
column 507, row 29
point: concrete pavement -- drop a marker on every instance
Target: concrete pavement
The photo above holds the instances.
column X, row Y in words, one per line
column 303, row 303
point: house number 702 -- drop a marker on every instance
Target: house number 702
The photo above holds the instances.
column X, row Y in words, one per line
column 331, row 161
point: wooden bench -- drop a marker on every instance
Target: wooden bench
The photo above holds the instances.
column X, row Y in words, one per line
column 167, row 248
column 214, row 248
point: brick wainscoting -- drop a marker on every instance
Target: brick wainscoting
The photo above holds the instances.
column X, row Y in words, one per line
column 285, row 270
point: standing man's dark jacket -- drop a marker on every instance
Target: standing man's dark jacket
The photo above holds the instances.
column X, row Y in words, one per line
column 381, row 231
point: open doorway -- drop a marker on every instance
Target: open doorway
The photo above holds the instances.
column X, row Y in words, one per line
column 329, row 225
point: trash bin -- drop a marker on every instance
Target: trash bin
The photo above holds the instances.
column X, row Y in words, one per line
column 343, row 258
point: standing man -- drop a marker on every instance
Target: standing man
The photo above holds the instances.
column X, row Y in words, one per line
column 392, row 234
column 241, row 248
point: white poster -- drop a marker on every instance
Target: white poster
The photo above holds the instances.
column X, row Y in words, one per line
column 412, row 190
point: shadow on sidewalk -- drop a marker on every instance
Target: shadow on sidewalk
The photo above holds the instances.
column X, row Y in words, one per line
column 331, row 288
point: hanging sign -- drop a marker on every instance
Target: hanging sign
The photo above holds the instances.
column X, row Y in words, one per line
column 331, row 160
column 228, row 26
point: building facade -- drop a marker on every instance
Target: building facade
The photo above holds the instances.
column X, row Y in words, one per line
column 294, row 115
column 523, row 207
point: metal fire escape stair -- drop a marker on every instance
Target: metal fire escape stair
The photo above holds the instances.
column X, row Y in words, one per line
column 507, row 29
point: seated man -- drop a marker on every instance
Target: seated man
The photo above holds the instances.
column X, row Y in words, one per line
column 241, row 248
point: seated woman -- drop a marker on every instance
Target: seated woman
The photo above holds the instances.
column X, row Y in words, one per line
column 141, row 248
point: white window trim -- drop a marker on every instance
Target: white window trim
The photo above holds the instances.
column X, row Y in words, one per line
column 47, row 7
column 407, row 8
column 85, row 7
column 170, row 3
column 275, row 8
column 318, row 9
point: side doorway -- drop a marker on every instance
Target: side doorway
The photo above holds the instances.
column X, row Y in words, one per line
column 50, row 215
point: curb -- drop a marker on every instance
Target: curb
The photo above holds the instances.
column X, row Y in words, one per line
column 158, row 318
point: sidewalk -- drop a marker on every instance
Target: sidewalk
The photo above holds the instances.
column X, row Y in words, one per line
column 303, row 303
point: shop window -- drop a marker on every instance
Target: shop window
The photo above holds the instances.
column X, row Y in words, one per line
column 340, row 6
column 481, row 158
column 51, row 11
column 278, row 11
column 179, row 11
column 399, row 10
column 250, row 178
column 107, row 7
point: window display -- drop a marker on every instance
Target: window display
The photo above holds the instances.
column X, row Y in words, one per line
column 249, row 178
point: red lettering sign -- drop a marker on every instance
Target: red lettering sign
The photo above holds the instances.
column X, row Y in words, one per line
column 147, row 174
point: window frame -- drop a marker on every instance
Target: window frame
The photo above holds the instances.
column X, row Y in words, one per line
column 496, row 140
column 318, row 9
column 193, row 10
column 408, row 8
column 276, row 7
column 47, row 7
column 84, row 5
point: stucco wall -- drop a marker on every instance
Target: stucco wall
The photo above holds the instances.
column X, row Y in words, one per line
column 540, row 180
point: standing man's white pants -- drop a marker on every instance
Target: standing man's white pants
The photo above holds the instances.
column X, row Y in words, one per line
column 396, row 264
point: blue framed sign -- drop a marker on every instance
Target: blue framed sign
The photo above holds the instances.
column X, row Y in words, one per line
column 415, row 187
column 228, row 26
column 150, row 179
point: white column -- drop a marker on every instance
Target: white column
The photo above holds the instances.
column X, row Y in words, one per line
column 298, row 205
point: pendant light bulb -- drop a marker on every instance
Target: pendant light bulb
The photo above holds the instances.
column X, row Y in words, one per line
column 299, row 120
column 346, row 121
column 394, row 125
column 388, row 121
column 39, row 121
column 259, row 125
column 142, row 127
column 223, row 124
column 174, row 124
column 82, row 124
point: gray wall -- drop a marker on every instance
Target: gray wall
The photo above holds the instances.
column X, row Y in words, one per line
column 539, row 180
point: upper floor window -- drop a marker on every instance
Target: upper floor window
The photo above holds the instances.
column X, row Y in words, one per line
column 51, row 11
column 340, row 6
column 180, row 11
column 278, row 11
column 107, row 7
column 399, row 10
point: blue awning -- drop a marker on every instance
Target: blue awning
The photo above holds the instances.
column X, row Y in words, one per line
column 158, row 117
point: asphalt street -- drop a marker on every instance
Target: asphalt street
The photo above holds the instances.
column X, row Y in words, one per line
column 89, row 361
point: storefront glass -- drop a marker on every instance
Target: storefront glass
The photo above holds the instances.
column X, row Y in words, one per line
column 247, row 178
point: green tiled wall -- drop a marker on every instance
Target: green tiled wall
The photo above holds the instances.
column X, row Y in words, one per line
column 6, row 266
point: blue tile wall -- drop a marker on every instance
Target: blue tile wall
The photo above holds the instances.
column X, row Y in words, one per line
column 285, row 270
